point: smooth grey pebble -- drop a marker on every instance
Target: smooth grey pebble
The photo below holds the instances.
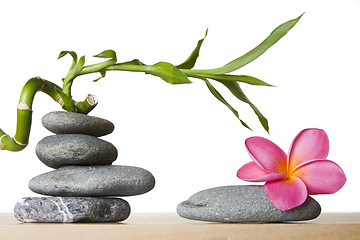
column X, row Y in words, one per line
column 93, row 181
column 75, row 149
column 242, row 204
column 62, row 122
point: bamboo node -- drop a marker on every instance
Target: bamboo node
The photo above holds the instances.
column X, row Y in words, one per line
column 43, row 83
column 2, row 145
column 23, row 106
column 60, row 101
column 19, row 143
column 37, row 77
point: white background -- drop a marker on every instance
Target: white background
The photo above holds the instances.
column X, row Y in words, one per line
column 182, row 134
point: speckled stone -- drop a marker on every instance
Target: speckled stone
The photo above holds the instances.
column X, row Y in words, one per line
column 68, row 122
column 75, row 149
column 93, row 181
column 242, row 204
column 70, row 209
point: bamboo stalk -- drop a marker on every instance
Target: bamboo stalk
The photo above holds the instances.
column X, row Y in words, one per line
column 168, row 72
column 24, row 111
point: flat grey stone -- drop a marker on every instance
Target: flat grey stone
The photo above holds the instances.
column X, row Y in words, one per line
column 242, row 204
column 68, row 122
column 70, row 209
column 93, row 181
column 75, row 149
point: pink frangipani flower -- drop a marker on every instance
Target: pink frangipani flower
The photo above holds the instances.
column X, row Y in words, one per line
column 291, row 178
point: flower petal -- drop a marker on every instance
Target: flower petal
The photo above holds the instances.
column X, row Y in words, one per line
column 286, row 194
column 266, row 154
column 253, row 173
column 309, row 144
column 321, row 176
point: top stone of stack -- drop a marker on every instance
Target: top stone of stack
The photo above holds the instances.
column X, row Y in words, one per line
column 61, row 122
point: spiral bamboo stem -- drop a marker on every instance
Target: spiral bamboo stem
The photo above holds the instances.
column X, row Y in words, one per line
column 24, row 111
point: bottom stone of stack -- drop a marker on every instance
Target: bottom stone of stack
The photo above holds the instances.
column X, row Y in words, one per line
column 71, row 209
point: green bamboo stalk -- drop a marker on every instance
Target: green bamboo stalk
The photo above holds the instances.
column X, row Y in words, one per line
column 24, row 111
column 168, row 72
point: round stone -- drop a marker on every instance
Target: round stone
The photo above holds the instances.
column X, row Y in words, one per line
column 71, row 209
column 242, row 204
column 93, row 181
column 68, row 122
column 75, row 149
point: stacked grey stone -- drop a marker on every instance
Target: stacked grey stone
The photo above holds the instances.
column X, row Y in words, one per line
column 85, row 186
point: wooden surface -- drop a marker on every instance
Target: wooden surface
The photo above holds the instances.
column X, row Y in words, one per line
column 170, row 226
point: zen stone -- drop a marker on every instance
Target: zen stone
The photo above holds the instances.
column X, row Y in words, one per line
column 75, row 149
column 70, row 209
column 242, row 204
column 93, row 181
column 68, row 122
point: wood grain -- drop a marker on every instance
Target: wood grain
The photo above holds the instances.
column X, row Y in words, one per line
column 170, row 226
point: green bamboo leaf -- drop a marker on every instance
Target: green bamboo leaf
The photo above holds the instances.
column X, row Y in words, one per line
column 190, row 62
column 99, row 67
column 218, row 96
column 63, row 53
column 107, row 54
column 134, row 66
column 72, row 54
column 135, row 62
column 102, row 74
column 67, row 100
column 235, row 89
column 168, row 72
column 72, row 74
column 75, row 71
column 238, row 78
column 250, row 56
column 228, row 77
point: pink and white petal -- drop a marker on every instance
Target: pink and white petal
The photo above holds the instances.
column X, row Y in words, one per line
column 253, row 173
column 321, row 176
column 267, row 154
column 286, row 194
column 309, row 144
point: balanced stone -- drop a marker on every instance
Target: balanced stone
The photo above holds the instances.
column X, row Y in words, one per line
column 68, row 122
column 70, row 209
column 75, row 149
column 93, row 181
column 242, row 204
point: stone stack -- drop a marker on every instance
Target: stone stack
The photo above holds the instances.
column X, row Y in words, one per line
column 85, row 186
